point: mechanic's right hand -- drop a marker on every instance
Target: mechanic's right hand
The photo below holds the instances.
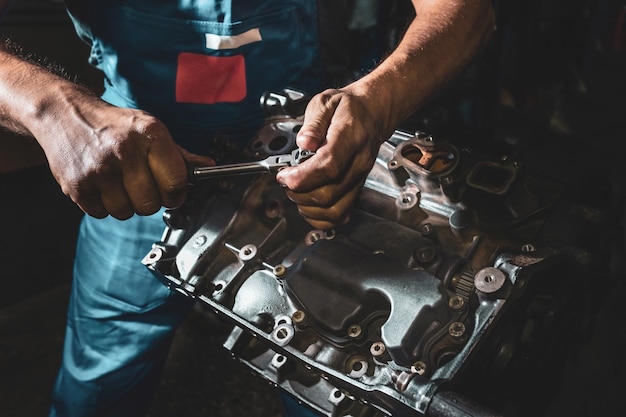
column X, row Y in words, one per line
column 114, row 161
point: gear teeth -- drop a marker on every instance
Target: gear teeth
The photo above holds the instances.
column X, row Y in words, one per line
column 465, row 285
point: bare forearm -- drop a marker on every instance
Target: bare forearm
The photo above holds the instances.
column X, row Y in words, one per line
column 29, row 93
column 438, row 44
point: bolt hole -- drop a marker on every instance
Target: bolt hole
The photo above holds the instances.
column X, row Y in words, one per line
column 279, row 142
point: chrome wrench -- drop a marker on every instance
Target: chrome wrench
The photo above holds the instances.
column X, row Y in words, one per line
column 271, row 164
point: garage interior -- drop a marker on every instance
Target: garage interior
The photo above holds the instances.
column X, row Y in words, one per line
column 550, row 90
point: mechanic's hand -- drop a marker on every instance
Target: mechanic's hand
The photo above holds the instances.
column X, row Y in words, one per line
column 342, row 129
column 115, row 161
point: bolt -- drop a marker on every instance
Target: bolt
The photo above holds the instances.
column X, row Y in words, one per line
column 419, row 368
column 377, row 349
column 489, row 280
column 247, row 252
column 456, row 329
column 279, row 270
column 425, row 254
column 298, row 317
column 199, row 241
column 354, row 331
column 456, row 302
column 312, row 237
column 427, row 229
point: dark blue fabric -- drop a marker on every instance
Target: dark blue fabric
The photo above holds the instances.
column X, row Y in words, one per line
column 292, row 408
column 121, row 319
column 136, row 45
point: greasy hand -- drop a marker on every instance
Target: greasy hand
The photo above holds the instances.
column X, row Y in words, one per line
column 342, row 129
column 114, row 161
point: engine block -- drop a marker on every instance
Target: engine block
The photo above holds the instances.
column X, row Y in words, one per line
column 441, row 282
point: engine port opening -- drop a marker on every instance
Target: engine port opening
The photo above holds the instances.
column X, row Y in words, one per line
column 491, row 177
column 436, row 160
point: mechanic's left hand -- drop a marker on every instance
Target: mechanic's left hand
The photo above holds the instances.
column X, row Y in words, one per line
column 342, row 129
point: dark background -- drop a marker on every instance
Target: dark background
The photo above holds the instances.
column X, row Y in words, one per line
column 549, row 90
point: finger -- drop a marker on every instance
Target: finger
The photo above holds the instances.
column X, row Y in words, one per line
column 142, row 190
column 317, row 119
column 197, row 160
column 116, row 200
column 324, row 225
column 323, row 197
column 169, row 172
column 321, row 169
column 91, row 204
column 329, row 217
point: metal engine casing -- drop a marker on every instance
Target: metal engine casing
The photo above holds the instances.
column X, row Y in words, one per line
column 441, row 280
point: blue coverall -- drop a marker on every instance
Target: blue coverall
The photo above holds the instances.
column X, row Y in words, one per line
column 200, row 67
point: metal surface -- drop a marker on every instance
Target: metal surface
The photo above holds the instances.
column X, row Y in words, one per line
column 442, row 283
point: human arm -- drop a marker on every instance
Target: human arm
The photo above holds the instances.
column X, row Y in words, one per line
column 346, row 126
column 107, row 159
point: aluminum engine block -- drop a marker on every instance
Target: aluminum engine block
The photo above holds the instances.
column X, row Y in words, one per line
column 436, row 285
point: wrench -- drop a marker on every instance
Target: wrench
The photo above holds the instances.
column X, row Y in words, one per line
column 271, row 164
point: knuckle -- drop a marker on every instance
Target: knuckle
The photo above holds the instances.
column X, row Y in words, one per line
column 150, row 128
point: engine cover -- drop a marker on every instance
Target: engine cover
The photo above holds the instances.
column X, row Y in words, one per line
column 442, row 281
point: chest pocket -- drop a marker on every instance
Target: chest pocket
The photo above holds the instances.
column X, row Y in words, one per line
column 200, row 73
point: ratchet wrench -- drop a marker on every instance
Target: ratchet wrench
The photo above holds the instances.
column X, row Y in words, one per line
column 271, row 164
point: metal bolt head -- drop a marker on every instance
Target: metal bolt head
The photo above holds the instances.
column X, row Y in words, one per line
column 313, row 236
column 425, row 254
column 354, row 331
column 456, row 302
column 377, row 349
column 489, row 280
column 298, row 317
column 279, row 270
column 247, row 252
column 419, row 368
column 456, row 329
column 427, row 229
column 199, row 241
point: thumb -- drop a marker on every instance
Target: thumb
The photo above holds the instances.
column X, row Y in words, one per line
column 312, row 134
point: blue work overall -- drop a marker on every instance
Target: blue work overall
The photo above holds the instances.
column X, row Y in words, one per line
column 200, row 67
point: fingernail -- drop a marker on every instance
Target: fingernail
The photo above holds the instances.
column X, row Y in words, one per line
column 280, row 181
